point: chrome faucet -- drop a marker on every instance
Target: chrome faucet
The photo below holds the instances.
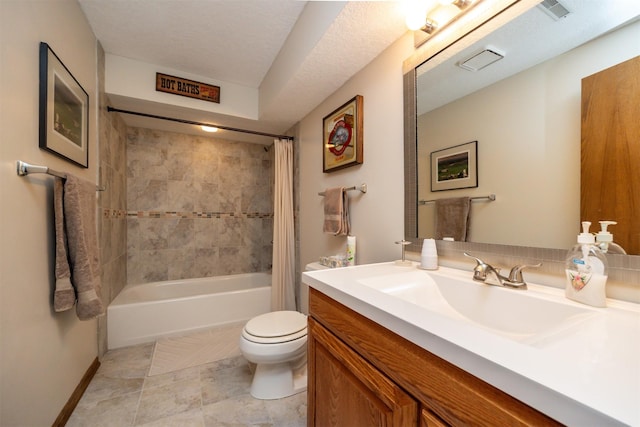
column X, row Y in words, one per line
column 485, row 273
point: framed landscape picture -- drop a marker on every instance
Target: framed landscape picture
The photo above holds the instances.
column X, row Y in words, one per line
column 64, row 110
column 455, row 167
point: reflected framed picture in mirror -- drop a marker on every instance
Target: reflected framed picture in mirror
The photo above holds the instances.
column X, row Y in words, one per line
column 455, row 167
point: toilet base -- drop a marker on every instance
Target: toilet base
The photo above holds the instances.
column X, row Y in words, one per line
column 278, row 380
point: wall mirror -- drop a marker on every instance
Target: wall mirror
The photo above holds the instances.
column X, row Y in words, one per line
column 524, row 111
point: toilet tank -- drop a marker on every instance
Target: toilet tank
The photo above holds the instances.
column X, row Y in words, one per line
column 312, row 266
column 304, row 289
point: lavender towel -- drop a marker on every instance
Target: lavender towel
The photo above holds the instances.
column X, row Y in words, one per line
column 452, row 218
column 79, row 231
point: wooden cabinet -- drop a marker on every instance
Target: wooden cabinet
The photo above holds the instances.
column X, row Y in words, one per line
column 361, row 374
column 348, row 391
column 429, row 419
column 610, row 152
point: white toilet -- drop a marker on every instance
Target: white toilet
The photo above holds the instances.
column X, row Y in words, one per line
column 277, row 343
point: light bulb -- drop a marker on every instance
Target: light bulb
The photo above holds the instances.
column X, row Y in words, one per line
column 209, row 128
column 415, row 22
column 443, row 14
column 415, row 12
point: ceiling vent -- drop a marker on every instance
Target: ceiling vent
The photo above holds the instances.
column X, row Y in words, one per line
column 481, row 59
column 554, row 9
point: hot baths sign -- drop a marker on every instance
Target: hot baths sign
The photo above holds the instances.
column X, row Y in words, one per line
column 186, row 87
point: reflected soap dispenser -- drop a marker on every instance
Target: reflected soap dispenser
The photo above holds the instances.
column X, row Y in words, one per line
column 604, row 240
column 586, row 270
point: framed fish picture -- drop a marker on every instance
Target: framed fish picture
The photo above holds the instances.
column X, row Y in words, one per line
column 342, row 136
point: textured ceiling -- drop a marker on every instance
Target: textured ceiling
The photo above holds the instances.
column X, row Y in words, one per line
column 239, row 41
column 297, row 53
column 234, row 41
column 359, row 33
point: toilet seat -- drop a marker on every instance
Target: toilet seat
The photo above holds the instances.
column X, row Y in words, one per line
column 276, row 327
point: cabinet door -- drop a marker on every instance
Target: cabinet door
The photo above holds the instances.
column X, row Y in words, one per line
column 609, row 178
column 429, row 419
column 345, row 390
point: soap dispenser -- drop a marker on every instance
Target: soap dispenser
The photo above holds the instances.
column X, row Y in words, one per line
column 604, row 240
column 586, row 270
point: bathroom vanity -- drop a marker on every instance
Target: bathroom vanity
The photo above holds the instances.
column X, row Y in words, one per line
column 397, row 346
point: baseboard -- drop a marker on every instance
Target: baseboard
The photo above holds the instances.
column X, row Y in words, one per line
column 71, row 404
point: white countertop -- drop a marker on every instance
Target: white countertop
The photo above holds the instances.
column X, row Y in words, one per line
column 588, row 374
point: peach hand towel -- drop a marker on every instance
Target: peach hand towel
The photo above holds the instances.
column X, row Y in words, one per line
column 452, row 218
column 336, row 212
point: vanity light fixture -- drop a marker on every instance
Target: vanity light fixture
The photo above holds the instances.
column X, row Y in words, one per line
column 430, row 16
column 430, row 26
column 209, row 128
column 462, row 4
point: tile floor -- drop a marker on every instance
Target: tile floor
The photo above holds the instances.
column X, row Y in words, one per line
column 212, row 395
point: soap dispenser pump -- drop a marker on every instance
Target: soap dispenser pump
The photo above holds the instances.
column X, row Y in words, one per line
column 604, row 240
column 586, row 270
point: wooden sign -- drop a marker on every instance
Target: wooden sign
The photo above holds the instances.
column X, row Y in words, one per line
column 188, row 88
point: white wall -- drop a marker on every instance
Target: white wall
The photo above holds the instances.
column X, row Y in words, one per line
column 139, row 84
column 528, row 133
column 43, row 355
column 377, row 218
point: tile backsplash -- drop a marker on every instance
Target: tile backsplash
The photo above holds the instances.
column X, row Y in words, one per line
column 196, row 206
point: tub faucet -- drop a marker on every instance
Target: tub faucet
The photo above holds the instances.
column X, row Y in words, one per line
column 490, row 275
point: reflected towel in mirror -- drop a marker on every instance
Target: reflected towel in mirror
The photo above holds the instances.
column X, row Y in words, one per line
column 452, row 218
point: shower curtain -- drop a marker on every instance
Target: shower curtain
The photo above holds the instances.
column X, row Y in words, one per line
column 283, row 276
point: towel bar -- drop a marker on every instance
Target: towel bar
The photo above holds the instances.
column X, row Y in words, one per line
column 490, row 197
column 24, row 169
column 362, row 188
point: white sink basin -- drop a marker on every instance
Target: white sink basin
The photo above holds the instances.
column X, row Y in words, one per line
column 517, row 314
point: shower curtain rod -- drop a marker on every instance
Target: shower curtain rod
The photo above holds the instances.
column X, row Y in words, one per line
column 191, row 122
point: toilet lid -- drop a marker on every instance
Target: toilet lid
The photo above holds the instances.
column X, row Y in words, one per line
column 276, row 324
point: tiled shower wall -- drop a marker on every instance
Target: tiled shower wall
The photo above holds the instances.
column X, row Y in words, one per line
column 112, row 208
column 197, row 206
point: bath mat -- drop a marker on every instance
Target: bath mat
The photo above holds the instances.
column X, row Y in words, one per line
column 176, row 353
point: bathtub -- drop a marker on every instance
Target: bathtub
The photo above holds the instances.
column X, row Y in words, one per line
column 146, row 312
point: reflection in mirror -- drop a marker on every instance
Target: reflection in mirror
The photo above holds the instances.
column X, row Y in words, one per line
column 524, row 111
